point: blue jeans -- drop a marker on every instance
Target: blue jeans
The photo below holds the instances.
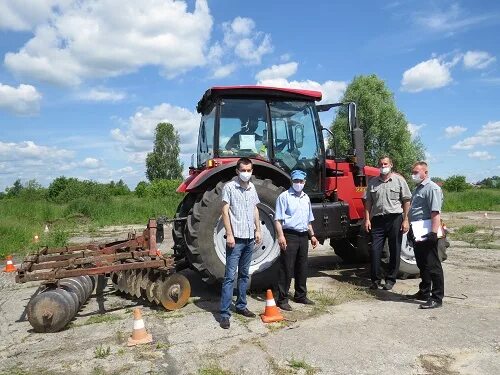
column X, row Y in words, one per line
column 239, row 257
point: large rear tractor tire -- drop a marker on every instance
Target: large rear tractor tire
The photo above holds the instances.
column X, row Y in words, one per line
column 354, row 249
column 206, row 243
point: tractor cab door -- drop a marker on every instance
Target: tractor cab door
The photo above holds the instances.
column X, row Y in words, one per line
column 295, row 141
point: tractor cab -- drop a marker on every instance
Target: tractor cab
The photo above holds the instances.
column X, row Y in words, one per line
column 276, row 126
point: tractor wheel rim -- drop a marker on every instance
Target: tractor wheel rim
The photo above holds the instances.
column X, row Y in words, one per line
column 407, row 253
column 264, row 253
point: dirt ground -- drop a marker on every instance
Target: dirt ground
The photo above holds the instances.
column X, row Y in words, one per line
column 350, row 330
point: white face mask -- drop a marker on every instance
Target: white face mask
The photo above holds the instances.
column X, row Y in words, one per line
column 297, row 186
column 245, row 176
column 416, row 178
column 385, row 170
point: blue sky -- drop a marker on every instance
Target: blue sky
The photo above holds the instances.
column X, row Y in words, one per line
column 84, row 83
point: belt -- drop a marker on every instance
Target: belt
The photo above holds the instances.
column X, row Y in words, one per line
column 388, row 215
column 295, row 232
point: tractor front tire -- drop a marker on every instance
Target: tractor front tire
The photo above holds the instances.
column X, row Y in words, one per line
column 205, row 237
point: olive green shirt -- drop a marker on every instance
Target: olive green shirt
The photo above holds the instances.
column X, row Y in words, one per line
column 387, row 197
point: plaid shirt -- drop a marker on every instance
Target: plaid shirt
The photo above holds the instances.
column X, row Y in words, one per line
column 242, row 204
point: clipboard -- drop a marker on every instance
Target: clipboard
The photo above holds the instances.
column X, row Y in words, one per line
column 421, row 227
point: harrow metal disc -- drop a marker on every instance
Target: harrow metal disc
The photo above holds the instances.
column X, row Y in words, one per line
column 173, row 291
column 48, row 312
column 77, row 287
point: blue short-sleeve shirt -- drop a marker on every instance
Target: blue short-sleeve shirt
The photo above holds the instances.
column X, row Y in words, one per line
column 294, row 210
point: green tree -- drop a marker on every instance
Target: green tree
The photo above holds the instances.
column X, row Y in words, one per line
column 15, row 189
column 385, row 127
column 455, row 183
column 163, row 162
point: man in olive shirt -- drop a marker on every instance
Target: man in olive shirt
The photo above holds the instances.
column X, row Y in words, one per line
column 426, row 204
column 387, row 202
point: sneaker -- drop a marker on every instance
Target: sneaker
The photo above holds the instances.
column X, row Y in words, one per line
column 224, row 323
column 388, row 286
column 431, row 304
column 375, row 285
column 305, row 301
column 285, row 306
column 421, row 296
column 245, row 312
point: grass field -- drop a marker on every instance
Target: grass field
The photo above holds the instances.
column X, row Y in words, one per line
column 21, row 220
column 472, row 200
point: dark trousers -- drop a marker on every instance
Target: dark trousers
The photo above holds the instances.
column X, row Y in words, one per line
column 431, row 271
column 293, row 263
column 386, row 227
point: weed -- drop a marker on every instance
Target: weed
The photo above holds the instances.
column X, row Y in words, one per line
column 104, row 318
column 213, row 369
column 162, row 345
column 119, row 337
column 101, row 352
column 273, row 327
column 301, row 364
column 466, row 229
column 120, row 351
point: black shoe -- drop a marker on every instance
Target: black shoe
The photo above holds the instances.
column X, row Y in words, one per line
column 431, row 304
column 285, row 306
column 305, row 301
column 388, row 286
column 421, row 296
column 224, row 323
column 245, row 312
column 375, row 285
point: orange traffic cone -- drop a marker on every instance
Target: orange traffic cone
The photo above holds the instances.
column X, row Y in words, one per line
column 139, row 334
column 10, row 267
column 271, row 313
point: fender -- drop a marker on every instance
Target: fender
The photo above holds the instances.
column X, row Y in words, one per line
column 226, row 170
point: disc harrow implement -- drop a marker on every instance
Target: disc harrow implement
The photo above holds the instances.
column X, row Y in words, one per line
column 68, row 277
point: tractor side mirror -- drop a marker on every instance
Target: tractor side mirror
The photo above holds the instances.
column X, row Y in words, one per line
column 330, row 153
column 299, row 136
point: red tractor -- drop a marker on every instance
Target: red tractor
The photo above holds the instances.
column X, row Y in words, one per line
column 280, row 130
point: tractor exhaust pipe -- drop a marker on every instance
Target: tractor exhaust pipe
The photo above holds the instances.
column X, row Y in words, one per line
column 357, row 139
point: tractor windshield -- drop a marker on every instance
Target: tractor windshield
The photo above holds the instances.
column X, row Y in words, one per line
column 243, row 128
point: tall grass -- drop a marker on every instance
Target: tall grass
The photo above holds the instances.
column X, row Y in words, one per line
column 22, row 219
column 472, row 200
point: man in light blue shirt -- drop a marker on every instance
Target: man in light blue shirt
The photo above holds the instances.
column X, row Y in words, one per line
column 293, row 226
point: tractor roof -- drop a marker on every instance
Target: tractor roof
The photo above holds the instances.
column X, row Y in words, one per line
column 257, row 92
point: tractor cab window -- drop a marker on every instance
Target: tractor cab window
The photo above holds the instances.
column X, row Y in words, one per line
column 206, row 138
column 296, row 140
column 243, row 128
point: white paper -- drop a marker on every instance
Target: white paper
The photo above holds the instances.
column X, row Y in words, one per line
column 422, row 227
column 247, row 142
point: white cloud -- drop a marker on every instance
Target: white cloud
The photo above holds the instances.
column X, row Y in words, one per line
column 481, row 155
column 25, row 15
column 23, row 100
column 92, row 40
column 448, row 21
column 248, row 45
column 102, row 95
column 277, row 71
column 489, row 135
column 138, row 136
column 29, row 151
column 427, row 75
column 224, row 71
column 414, row 130
column 332, row 90
column 454, row 131
column 91, row 163
column 478, row 59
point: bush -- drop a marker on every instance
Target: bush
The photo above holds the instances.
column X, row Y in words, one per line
column 162, row 188
column 455, row 183
column 141, row 189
